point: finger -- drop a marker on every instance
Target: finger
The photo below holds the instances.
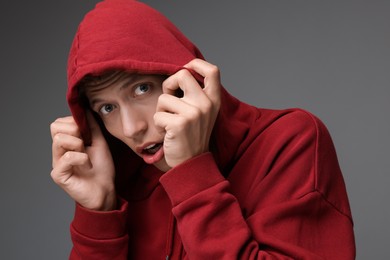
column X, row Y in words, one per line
column 193, row 93
column 64, row 125
column 171, row 104
column 184, row 80
column 211, row 76
column 167, row 121
column 66, row 119
column 205, row 69
column 179, row 106
column 63, row 143
column 63, row 171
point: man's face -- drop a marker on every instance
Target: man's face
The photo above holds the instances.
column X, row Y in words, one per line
column 127, row 104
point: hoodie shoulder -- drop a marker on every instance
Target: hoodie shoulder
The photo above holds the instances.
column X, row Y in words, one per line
column 296, row 146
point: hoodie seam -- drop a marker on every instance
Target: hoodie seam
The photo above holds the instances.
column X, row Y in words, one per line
column 333, row 206
column 316, row 189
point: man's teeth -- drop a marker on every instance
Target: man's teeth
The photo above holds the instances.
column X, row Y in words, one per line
column 150, row 146
column 153, row 148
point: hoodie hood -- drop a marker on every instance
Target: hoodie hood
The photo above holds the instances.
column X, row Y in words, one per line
column 129, row 35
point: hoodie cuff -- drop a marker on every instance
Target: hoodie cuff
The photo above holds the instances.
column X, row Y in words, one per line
column 191, row 177
column 101, row 224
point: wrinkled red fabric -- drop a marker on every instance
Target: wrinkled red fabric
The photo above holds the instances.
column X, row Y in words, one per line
column 271, row 187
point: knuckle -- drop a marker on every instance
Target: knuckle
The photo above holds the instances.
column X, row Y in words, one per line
column 161, row 102
column 183, row 74
column 79, row 144
column 68, row 156
column 84, row 158
column 57, row 138
column 56, row 146
column 53, row 175
column 165, row 83
column 194, row 114
column 74, row 129
column 207, row 106
column 213, row 69
column 53, row 128
column 74, row 158
column 162, row 98
column 155, row 117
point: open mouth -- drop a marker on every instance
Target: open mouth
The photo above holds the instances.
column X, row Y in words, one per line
column 152, row 149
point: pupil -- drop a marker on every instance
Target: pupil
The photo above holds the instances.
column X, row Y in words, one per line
column 143, row 87
column 108, row 108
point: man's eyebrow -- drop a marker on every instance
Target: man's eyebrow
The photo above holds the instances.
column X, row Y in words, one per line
column 129, row 80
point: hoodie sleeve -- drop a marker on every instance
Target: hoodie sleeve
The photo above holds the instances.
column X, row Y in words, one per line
column 284, row 198
column 99, row 235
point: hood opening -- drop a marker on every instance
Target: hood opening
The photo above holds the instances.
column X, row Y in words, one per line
column 131, row 36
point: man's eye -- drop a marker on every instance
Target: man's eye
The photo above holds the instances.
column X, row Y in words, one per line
column 106, row 109
column 141, row 89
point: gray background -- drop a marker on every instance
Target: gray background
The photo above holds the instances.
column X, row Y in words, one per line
column 329, row 57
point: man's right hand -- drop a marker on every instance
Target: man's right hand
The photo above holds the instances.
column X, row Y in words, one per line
column 85, row 173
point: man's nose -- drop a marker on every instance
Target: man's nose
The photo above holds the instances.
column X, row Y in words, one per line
column 134, row 123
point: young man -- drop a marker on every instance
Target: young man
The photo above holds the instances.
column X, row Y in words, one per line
column 163, row 162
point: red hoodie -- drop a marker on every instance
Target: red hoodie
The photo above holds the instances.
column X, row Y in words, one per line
column 270, row 189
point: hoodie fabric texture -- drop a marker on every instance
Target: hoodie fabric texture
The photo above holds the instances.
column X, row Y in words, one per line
column 270, row 189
